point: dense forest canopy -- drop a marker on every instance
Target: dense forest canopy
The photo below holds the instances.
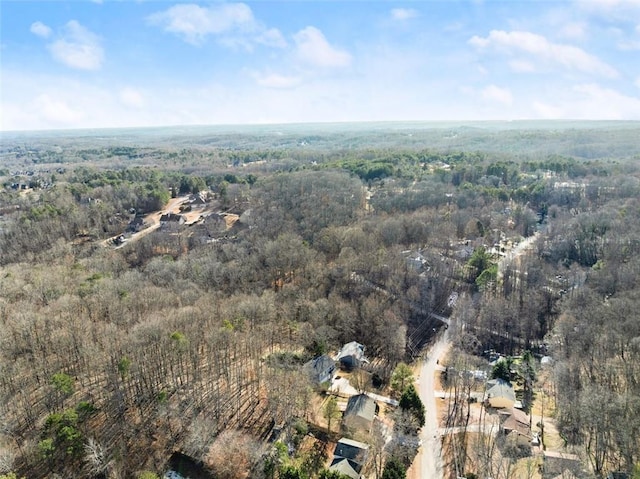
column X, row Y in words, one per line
column 121, row 346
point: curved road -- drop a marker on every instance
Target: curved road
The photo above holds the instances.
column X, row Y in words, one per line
column 428, row 462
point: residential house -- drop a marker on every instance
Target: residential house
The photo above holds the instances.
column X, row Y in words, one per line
column 171, row 219
column 416, row 261
column 343, row 467
column 351, row 356
column 321, row 369
column 349, row 457
column 515, row 424
column 500, row 394
column 136, row 224
column 199, row 198
column 359, row 413
column 209, row 227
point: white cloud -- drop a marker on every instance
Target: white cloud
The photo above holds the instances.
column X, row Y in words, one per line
column 629, row 45
column 609, row 10
column 41, row 101
column 574, row 30
column 614, row 3
column 77, row 48
column 627, row 37
column 313, row 48
column 131, row 97
column 274, row 80
column 232, row 23
column 546, row 111
column 522, row 66
column 567, row 56
column 49, row 101
column 272, row 38
column 40, row 29
column 56, row 111
column 588, row 102
column 404, row 13
column 494, row 93
column 194, row 23
column 637, row 82
column 608, row 103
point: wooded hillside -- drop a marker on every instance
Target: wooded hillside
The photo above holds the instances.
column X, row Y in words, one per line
column 115, row 355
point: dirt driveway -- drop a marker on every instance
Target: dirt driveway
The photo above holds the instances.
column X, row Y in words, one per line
column 153, row 219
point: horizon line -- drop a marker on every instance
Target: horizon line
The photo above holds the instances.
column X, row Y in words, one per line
column 316, row 123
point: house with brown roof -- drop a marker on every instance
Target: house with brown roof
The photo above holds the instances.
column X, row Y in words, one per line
column 516, row 424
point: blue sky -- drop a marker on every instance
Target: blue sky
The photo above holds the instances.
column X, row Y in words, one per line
column 92, row 64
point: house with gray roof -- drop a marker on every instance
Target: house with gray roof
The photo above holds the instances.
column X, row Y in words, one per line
column 351, row 356
column 349, row 457
column 500, row 394
column 343, row 466
column 168, row 219
column 359, row 413
column 321, row 369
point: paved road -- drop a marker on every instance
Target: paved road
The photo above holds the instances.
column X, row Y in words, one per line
column 513, row 255
column 430, row 454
